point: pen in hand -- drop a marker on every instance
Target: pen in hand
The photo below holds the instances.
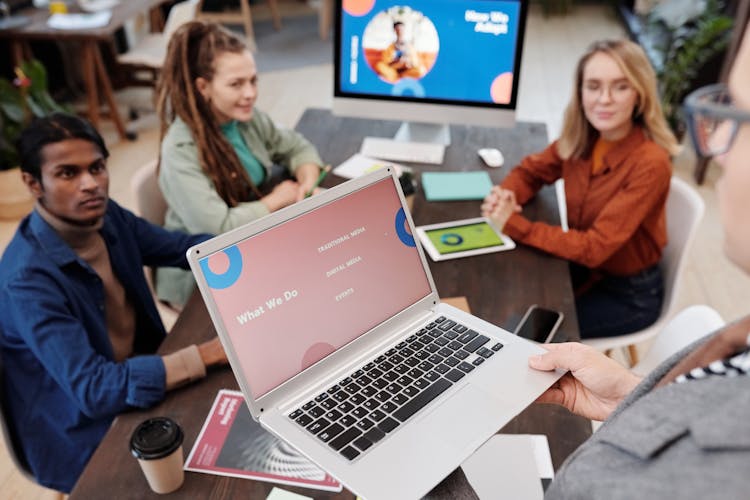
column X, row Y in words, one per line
column 320, row 178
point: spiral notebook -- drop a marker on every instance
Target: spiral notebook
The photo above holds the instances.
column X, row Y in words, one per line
column 455, row 186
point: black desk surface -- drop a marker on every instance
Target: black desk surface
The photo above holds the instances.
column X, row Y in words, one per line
column 498, row 287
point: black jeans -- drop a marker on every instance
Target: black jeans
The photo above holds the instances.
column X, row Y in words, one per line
column 618, row 305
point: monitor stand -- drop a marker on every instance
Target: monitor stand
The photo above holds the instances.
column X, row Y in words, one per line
column 424, row 132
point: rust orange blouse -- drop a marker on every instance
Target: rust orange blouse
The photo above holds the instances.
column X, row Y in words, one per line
column 616, row 216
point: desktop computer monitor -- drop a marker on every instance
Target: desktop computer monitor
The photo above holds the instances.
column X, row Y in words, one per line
column 428, row 62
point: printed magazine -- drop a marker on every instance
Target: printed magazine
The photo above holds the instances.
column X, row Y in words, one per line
column 231, row 443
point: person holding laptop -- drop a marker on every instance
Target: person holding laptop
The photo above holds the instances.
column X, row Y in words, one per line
column 217, row 149
column 79, row 328
column 682, row 432
column 614, row 156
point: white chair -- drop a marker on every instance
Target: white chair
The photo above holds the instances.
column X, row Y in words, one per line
column 149, row 53
column 684, row 212
column 13, row 445
column 687, row 326
column 151, row 205
column 149, row 200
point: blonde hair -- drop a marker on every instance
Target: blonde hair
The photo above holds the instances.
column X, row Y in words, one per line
column 578, row 136
column 192, row 53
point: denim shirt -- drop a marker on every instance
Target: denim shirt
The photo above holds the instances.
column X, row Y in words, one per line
column 61, row 385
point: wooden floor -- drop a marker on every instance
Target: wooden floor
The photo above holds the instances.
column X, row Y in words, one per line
column 551, row 49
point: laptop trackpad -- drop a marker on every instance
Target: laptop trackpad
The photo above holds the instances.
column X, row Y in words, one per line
column 464, row 419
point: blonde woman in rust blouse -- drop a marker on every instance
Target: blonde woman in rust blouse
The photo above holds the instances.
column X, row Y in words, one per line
column 614, row 156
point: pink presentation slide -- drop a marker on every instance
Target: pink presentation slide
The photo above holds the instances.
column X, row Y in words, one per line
column 293, row 294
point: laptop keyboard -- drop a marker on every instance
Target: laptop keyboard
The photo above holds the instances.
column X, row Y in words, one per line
column 361, row 409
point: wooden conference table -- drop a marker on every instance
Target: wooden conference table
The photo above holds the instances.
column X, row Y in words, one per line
column 499, row 287
column 93, row 69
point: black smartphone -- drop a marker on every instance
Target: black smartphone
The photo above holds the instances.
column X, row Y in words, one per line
column 539, row 324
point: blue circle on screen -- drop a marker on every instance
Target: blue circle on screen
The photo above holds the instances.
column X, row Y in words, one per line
column 451, row 239
column 232, row 274
column 408, row 87
column 406, row 238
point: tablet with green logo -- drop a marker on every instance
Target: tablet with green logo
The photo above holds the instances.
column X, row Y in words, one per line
column 462, row 238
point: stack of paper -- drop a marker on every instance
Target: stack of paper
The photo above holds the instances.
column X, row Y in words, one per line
column 360, row 164
column 79, row 21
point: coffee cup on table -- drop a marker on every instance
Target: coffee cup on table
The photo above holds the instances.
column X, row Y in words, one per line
column 157, row 444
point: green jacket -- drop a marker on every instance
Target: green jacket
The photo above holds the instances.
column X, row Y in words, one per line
column 194, row 206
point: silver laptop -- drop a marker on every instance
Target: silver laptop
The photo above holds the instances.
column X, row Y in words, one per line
column 340, row 344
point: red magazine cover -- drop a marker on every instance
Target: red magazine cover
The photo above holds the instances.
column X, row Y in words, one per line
column 231, row 443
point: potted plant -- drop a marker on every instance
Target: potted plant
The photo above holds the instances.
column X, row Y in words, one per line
column 690, row 47
column 21, row 100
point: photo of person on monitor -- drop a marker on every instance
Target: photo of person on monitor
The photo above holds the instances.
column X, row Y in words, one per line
column 400, row 43
column 400, row 59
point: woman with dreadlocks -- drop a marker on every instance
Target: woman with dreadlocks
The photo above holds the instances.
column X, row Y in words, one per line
column 217, row 150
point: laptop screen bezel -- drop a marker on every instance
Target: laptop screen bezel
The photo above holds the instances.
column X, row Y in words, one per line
column 327, row 367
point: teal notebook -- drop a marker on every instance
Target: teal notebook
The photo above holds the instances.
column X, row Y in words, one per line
column 454, row 186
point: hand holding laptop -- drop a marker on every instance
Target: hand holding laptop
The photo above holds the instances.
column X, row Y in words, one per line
column 594, row 383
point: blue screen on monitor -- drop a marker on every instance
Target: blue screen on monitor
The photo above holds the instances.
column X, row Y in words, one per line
column 430, row 50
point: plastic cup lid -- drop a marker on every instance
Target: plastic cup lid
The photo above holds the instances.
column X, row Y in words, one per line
column 155, row 438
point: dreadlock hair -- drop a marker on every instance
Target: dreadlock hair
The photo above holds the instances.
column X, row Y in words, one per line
column 192, row 53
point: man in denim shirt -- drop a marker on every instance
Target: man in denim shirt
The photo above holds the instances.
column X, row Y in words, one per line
column 79, row 327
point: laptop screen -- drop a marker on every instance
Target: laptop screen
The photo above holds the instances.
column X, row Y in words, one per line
column 291, row 295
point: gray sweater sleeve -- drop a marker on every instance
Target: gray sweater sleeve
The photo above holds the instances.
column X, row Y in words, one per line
column 687, row 440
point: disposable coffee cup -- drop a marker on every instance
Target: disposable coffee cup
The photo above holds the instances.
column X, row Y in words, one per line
column 157, row 444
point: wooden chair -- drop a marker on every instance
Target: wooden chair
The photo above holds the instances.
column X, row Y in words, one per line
column 149, row 53
column 243, row 17
column 325, row 18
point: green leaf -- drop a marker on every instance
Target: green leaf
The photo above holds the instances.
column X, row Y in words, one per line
column 38, row 75
column 13, row 112
column 692, row 46
column 11, row 102
column 48, row 104
column 17, row 107
column 36, row 109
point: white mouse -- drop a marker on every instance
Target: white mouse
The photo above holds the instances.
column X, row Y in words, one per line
column 492, row 157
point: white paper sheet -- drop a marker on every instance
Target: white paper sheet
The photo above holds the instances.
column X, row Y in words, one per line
column 279, row 494
column 79, row 21
column 360, row 164
column 510, row 466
